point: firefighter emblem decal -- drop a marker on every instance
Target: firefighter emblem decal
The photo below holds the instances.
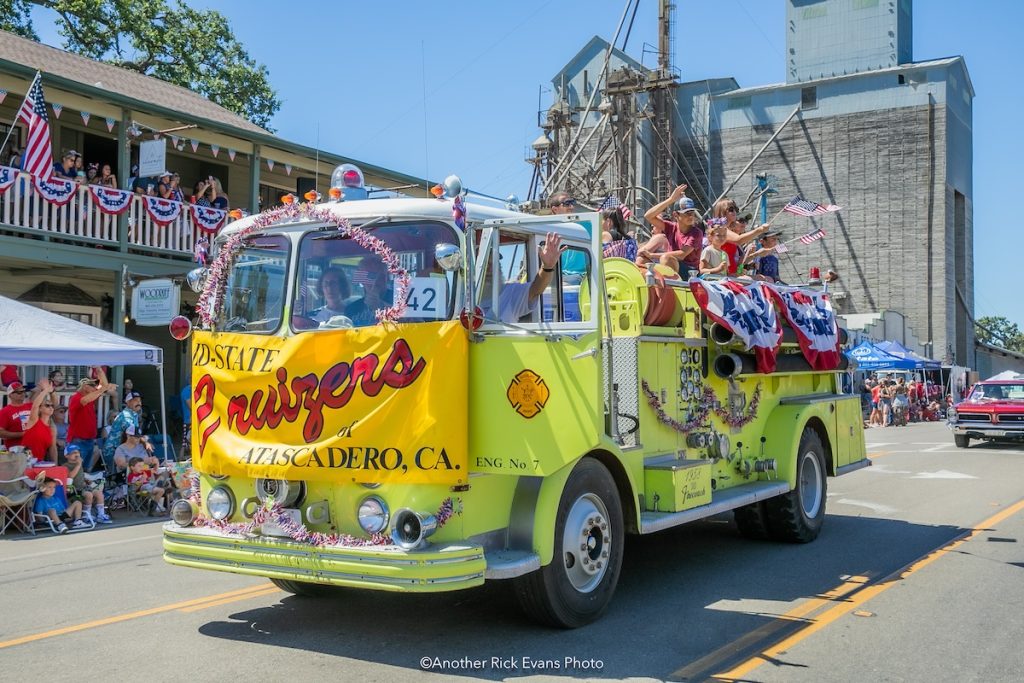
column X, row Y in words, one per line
column 528, row 393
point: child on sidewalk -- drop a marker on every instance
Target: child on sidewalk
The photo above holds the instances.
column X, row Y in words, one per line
column 141, row 479
column 50, row 504
column 89, row 491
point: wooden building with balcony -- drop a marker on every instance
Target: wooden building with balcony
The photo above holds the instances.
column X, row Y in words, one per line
column 79, row 262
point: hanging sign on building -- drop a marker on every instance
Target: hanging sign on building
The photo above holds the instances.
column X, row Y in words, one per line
column 152, row 158
column 155, row 302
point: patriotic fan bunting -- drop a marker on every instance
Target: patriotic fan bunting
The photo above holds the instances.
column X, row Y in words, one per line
column 215, row 150
column 811, row 317
column 85, row 117
column 194, row 144
column 58, row 192
column 746, row 311
column 459, row 212
column 8, row 174
column 110, row 123
column 57, row 109
column 208, row 219
column 231, row 154
column 162, row 211
column 110, row 201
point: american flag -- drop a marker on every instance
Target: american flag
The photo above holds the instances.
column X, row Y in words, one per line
column 612, row 202
column 38, row 158
column 781, row 248
column 813, row 236
column 802, row 207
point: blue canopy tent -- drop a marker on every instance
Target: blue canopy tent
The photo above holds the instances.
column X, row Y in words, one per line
column 900, row 351
column 870, row 358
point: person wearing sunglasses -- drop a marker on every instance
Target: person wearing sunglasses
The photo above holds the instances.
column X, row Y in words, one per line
column 561, row 203
column 39, row 430
column 14, row 415
column 726, row 210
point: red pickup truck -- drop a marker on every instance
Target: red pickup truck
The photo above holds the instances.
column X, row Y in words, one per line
column 994, row 411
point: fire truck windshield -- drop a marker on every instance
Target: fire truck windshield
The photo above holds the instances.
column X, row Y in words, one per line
column 341, row 283
column 254, row 292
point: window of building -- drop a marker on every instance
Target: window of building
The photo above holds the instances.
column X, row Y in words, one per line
column 901, row 79
column 809, row 97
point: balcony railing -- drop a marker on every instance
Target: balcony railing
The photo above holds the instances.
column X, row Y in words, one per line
column 80, row 220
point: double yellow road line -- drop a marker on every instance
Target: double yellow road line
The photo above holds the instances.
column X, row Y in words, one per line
column 815, row 614
column 186, row 606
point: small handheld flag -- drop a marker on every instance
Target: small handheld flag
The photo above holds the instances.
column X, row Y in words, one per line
column 802, row 207
column 813, row 236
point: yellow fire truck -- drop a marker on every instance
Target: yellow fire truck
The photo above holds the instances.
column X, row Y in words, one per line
column 365, row 416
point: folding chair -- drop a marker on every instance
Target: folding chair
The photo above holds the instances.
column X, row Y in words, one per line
column 16, row 493
column 44, row 521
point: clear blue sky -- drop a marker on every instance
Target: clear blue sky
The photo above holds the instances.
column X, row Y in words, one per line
column 437, row 88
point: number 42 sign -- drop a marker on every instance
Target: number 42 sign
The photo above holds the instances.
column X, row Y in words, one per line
column 428, row 298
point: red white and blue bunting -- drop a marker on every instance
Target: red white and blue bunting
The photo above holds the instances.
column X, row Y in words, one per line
column 162, row 211
column 811, row 316
column 58, row 192
column 747, row 311
column 208, row 219
column 8, row 174
column 110, row 201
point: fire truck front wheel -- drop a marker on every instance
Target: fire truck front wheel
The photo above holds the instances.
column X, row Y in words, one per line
column 577, row 586
column 798, row 515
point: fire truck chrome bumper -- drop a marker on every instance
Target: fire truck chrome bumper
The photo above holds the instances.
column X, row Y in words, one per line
column 440, row 567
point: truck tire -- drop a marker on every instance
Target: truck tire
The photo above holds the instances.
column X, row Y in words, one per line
column 961, row 440
column 797, row 516
column 304, row 589
column 752, row 520
column 576, row 587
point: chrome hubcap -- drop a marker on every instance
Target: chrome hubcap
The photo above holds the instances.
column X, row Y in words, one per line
column 586, row 543
column 810, row 484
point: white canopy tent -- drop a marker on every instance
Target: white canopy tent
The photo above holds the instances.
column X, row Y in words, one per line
column 32, row 336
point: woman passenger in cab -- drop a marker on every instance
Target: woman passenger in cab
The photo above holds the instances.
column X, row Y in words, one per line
column 334, row 289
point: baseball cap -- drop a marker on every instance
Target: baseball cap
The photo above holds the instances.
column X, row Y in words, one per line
column 72, row 448
column 15, row 386
column 88, row 381
column 772, row 233
column 685, row 204
column 132, row 395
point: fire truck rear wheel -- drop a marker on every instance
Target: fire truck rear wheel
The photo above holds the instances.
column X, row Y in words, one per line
column 577, row 586
column 752, row 520
column 797, row 516
column 961, row 440
column 305, row 589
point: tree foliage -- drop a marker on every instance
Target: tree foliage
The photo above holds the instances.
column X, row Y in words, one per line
column 195, row 49
column 999, row 331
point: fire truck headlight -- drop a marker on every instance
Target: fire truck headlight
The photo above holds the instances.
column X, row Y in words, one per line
column 220, row 503
column 183, row 513
column 373, row 515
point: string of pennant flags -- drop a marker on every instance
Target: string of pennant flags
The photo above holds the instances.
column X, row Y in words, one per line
column 112, row 122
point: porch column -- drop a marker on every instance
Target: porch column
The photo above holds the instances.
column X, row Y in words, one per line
column 124, row 163
column 254, row 179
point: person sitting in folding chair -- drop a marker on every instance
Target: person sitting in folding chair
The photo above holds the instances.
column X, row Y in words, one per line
column 51, row 507
column 142, row 483
column 87, row 490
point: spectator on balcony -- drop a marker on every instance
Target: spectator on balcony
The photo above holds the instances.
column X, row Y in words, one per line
column 220, row 200
column 92, row 173
column 65, row 170
column 204, row 192
column 79, row 164
column 15, row 159
column 163, row 186
column 107, row 177
column 176, row 193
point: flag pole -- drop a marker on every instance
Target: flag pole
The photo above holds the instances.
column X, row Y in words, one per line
column 776, row 215
column 16, row 116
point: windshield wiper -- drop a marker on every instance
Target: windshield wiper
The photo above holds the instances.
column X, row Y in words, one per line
column 340, row 235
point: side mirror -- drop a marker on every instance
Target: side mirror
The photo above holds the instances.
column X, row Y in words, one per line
column 448, row 256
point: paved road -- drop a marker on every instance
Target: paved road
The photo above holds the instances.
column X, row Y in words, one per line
column 917, row 576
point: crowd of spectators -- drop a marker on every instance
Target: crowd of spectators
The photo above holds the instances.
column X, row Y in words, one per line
column 888, row 401
column 104, row 466
column 207, row 191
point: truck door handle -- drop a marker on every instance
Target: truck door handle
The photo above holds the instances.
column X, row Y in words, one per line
column 585, row 354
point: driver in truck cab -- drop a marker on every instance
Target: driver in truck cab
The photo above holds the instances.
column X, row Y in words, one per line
column 517, row 298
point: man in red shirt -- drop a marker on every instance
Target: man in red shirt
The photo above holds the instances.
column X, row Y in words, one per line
column 14, row 416
column 676, row 243
column 82, row 422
